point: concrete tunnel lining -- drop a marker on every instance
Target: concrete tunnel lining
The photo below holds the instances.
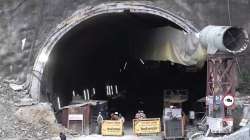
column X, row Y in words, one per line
column 84, row 14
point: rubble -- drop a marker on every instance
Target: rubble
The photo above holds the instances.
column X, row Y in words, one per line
column 26, row 102
column 16, row 87
column 22, row 117
column 39, row 115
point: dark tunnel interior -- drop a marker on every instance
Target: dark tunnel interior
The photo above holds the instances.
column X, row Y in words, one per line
column 100, row 52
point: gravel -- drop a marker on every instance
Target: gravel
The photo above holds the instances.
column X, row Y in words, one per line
column 15, row 127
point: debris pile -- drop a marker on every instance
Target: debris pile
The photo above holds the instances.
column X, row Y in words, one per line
column 22, row 117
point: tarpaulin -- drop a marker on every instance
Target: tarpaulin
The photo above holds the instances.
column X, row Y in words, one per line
column 168, row 43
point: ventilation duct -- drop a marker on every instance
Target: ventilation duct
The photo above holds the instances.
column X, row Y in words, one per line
column 224, row 38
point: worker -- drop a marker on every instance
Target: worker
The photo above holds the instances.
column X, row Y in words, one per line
column 115, row 116
column 185, row 119
column 140, row 115
column 121, row 118
column 191, row 117
column 143, row 115
column 137, row 115
column 62, row 136
column 99, row 123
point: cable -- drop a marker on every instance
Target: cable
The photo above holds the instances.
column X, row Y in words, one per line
column 238, row 65
column 228, row 12
column 230, row 23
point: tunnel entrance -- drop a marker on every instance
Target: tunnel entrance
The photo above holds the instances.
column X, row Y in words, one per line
column 116, row 52
column 99, row 57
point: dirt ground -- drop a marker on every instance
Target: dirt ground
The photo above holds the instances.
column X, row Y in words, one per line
column 99, row 137
column 127, row 137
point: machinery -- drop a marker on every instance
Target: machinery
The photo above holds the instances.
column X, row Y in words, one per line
column 222, row 43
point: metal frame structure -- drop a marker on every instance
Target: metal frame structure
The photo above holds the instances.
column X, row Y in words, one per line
column 221, row 74
column 221, row 81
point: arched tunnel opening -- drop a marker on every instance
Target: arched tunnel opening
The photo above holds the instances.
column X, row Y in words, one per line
column 100, row 57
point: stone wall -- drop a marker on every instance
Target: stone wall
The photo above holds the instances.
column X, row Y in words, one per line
column 30, row 21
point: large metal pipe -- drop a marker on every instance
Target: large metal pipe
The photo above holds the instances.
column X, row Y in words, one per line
column 224, row 38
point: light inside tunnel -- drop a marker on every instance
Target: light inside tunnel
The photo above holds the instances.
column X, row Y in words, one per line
column 101, row 56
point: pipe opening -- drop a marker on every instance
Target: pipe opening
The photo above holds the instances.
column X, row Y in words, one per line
column 235, row 39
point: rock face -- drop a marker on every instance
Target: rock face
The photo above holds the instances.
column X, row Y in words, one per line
column 36, row 113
